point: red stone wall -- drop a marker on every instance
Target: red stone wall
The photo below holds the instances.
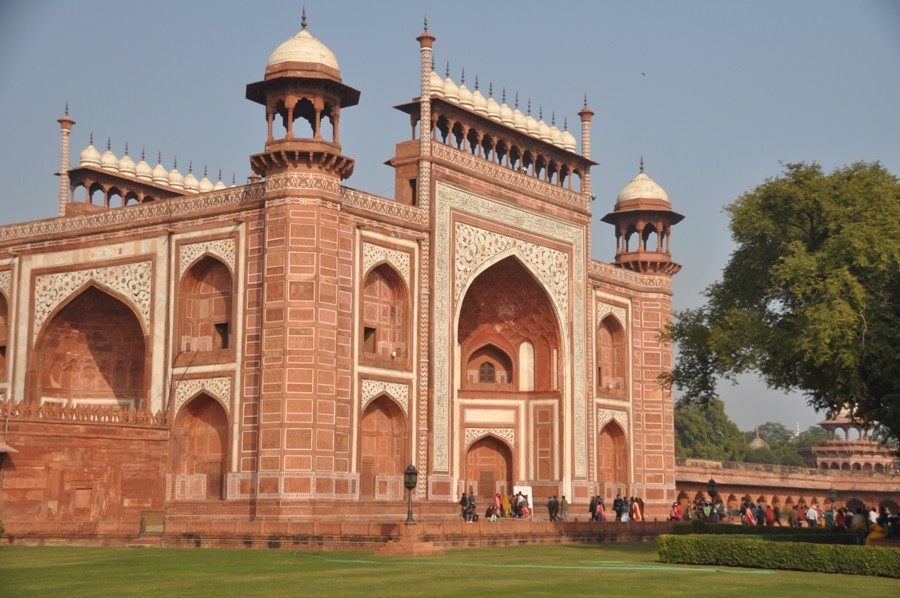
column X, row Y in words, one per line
column 98, row 475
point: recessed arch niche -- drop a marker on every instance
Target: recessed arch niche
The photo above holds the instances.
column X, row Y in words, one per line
column 612, row 359
column 205, row 307
column 612, row 460
column 92, row 351
column 489, row 463
column 385, row 318
column 201, row 443
column 382, row 449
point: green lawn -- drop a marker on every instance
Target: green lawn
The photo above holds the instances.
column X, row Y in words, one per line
column 623, row 569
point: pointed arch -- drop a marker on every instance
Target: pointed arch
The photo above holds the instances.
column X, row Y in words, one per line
column 612, row 358
column 201, row 447
column 384, row 316
column 205, row 305
column 489, row 465
column 382, row 448
column 91, row 350
column 612, row 459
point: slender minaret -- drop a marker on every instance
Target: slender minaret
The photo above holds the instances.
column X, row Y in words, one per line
column 65, row 125
column 423, row 186
column 586, row 114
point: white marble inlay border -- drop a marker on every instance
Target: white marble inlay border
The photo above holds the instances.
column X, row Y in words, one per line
column 5, row 282
column 447, row 200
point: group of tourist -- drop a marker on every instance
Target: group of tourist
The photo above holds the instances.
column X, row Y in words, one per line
column 868, row 523
column 626, row 509
column 504, row 506
column 557, row 508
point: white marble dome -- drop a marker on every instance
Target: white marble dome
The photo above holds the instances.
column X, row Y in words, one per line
column 556, row 137
column 451, row 91
column 303, row 47
column 493, row 109
column 532, row 126
column 437, row 85
column 506, row 115
column 175, row 178
column 143, row 170
column 466, row 99
column 480, row 102
column 642, row 187
column 191, row 183
column 109, row 161
column 569, row 141
column 205, row 185
column 126, row 164
column 90, row 156
column 519, row 121
column 544, row 131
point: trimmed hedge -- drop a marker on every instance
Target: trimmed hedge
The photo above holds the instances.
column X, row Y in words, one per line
column 727, row 529
column 762, row 554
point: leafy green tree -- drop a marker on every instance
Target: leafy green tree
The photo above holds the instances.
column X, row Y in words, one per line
column 705, row 432
column 809, row 299
column 811, row 437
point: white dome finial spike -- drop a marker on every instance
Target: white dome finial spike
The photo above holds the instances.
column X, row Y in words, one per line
column 476, row 81
column 159, row 157
column 303, row 19
column 108, row 144
column 642, row 170
column 491, row 89
column 448, row 69
column 529, row 106
column 92, row 139
column 504, row 96
column 126, row 148
column 462, row 79
column 553, row 119
column 142, row 153
column 517, row 100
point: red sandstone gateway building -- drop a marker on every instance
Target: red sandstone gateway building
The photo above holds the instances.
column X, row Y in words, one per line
column 288, row 347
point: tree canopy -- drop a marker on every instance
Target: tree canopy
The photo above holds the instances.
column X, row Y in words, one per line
column 809, row 298
column 706, row 432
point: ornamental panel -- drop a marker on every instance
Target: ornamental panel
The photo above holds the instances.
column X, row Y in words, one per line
column 373, row 388
column 5, row 282
column 131, row 281
column 373, row 254
column 221, row 248
column 604, row 416
column 218, row 387
column 507, row 434
column 619, row 313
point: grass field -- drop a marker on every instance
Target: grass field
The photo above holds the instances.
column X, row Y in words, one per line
column 623, row 569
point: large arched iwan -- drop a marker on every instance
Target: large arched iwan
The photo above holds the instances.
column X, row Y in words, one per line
column 382, row 450
column 503, row 309
column 93, row 351
column 205, row 308
column 612, row 461
column 201, row 439
column 489, row 465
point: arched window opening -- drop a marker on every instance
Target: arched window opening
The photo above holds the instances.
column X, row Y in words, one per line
column 487, row 147
column 4, row 334
column 867, row 467
column 97, row 195
column 835, row 465
column 205, row 306
column 304, row 124
column 201, row 438
column 526, row 367
column 92, row 352
column 382, row 450
column 879, row 468
column 612, row 461
column 632, row 230
column 489, row 365
column 502, row 152
column 650, row 238
column 279, row 120
column 489, row 468
column 612, row 375
column 857, row 467
column 148, row 198
column 845, row 466
column 472, row 142
column 515, row 158
column 384, row 317
column 458, row 135
column 443, row 129
column 823, row 466
column 78, row 190
column 577, row 186
column 486, row 373
column 114, row 198
column 131, row 198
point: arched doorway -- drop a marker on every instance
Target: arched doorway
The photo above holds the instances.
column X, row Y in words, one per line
column 612, row 461
column 92, row 352
column 612, row 380
column 384, row 318
column 382, row 451
column 489, row 467
column 205, row 307
column 200, row 449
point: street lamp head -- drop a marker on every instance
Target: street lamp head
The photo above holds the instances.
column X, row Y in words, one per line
column 712, row 488
column 832, row 495
column 410, row 477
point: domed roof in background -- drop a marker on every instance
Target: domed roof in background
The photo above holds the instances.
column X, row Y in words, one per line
column 90, row 155
column 758, row 443
column 303, row 47
column 642, row 187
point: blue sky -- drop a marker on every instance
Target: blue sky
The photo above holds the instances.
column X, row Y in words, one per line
column 714, row 95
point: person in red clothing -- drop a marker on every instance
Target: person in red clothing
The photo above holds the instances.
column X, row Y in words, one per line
column 770, row 515
column 749, row 519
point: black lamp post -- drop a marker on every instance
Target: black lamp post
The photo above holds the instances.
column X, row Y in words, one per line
column 410, row 476
column 712, row 488
column 832, row 496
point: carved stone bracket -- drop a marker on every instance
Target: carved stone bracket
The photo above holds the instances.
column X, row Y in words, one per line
column 373, row 254
column 619, row 313
column 604, row 416
column 131, row 281
column 373, row 388
column 223, row 248
column 602, row 270
column 507, row 434
column 218, row 387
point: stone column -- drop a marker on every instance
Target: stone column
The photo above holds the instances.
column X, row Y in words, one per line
column 423, row 186
column 65, row 125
